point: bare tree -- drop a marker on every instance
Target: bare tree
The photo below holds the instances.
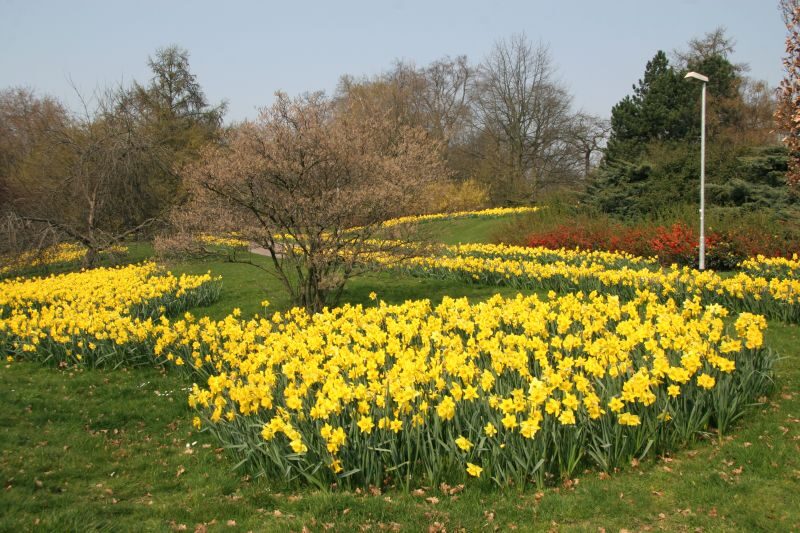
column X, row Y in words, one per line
column 758, row 101
column 588, row 136
column 394, row 96
column 715, row 43
column 445, row 97
column 523, row 114
column 24, row 119
column 310, row 182
column 80, row 183
column 435, row 97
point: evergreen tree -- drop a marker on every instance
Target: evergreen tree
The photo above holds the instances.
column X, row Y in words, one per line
column 657, row 111
column 173, row 109
column 651, row 160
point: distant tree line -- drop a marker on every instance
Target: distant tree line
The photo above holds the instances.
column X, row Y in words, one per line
column 504, row 129
column 507, row 123
column 453, row 135
column 108, row 171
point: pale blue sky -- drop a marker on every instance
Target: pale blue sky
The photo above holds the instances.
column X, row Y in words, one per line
column 243, row 51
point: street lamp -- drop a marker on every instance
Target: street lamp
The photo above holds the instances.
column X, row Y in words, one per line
column 704, row 79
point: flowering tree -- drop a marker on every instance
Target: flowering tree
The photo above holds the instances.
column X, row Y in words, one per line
column 310, row 183
column 787, row 114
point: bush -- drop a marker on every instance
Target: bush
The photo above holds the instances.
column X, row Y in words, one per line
column 677, row 243
column 672, row 234
column 448, row 196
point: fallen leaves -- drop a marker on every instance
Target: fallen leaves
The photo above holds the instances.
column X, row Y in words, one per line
column 437, row 527
column 570, row 484
column 450, row 491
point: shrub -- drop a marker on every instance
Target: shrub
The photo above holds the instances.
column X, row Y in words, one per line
column 676, row 243
column 448, row 196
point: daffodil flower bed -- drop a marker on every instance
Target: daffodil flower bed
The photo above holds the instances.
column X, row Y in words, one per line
column 491, row 212
column 550, row 256
column 571, row 270
column 772, row 267
column 59, row 254
column 510, row 390
column 225, row 241
column 100, row 317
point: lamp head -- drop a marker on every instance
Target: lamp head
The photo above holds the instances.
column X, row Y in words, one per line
column 696, row 76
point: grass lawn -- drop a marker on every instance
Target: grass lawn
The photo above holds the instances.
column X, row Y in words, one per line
column 244, row 287
column 114, row 450
column 467, row 230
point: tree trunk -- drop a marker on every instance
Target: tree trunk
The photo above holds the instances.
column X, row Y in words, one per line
column 90, row 258
column 587, row 161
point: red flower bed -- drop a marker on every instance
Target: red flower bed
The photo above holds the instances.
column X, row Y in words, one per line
column 671, row 244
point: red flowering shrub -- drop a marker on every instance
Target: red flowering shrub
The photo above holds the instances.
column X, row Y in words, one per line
column 677, row 243
column 632, row 240
column 752, row 242
column 614, row 237
column 570, row 237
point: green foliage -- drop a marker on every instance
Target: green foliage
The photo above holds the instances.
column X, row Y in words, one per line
column 667, row 174
column 652, row 157
column 660, row 109
column 660, row 177
column 756, row 179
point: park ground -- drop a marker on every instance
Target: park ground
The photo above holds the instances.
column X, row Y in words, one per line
column 97, row 450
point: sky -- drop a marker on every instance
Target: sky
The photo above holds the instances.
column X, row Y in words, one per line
column 244, row 51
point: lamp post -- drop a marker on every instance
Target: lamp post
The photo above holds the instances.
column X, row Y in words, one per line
column 704, row 79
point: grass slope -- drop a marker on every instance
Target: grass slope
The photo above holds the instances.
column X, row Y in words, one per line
column 467, row 230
